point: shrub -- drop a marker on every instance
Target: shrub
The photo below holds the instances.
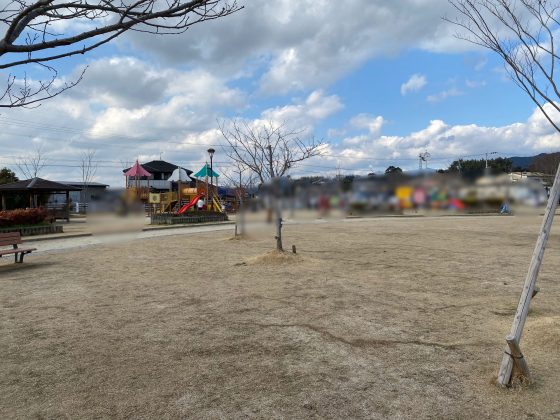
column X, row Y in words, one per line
column 10, row 218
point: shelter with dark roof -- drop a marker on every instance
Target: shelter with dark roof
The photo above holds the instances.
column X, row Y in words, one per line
column 38, row 192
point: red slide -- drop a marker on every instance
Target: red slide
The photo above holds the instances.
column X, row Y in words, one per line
column 189, row 205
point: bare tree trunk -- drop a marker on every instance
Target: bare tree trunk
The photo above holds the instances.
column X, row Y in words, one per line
column 278, row 237
column 269, row 151
column 241, row 214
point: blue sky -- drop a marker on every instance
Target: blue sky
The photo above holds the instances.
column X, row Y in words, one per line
column 379, row 82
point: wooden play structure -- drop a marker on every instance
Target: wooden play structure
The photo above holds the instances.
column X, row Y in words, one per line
column 186, row 198
column 173, row 201
column 137, row 192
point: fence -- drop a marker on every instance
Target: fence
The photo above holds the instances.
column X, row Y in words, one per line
column 34, row 230
column 171, row 219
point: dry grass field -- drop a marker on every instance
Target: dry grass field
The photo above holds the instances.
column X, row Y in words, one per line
column 378, row 318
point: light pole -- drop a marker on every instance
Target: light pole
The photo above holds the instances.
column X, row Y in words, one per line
column 211, row 153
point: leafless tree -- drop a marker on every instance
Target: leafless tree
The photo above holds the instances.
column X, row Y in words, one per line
column 32, row 35
column 546, row 163
column 269, row 151
column 32, row 164
column 523, row 33
column 88, row 168
column 241, row 179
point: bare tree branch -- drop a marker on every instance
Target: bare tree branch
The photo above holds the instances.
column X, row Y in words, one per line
column 268, row 150
column 32, row 164
column 88, row 168
column 30, row 36
column 522, row 33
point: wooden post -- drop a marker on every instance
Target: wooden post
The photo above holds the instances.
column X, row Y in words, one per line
column 506, row 367
column 518, row 359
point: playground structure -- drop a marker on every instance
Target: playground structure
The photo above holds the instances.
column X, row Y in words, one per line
column 179, row 202
column 138, row 193
column 186, row 198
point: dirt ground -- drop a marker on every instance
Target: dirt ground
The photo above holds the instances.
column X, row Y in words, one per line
column 375, row 318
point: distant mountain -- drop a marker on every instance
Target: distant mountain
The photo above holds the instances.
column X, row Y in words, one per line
column 524, row 161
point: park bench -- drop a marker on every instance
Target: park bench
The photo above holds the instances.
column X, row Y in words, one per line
column 13, row 239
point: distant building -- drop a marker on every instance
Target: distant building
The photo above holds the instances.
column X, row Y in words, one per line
column 544, row 179
column 91, row 191
column 159, row 182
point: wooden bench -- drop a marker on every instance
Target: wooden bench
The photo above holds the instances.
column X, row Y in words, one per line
column 13, row 239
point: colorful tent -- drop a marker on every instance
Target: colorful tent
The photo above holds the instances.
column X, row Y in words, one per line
column 137, row 171
column 206, row 172
column 179, row 175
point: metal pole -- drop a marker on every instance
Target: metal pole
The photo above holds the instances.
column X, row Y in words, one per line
column 206, row 186
column 211, row 181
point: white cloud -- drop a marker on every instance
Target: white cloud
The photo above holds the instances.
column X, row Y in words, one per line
column 306, row 44
column 446, row 143
column 475, row 83
column 369, row 122
column 442, row 96
column 317, row 106
column 480, row 64
column 181, row 128
column 414, row 84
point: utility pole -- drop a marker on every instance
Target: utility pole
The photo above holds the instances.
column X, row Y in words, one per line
column 486, row 158
column 423, row 157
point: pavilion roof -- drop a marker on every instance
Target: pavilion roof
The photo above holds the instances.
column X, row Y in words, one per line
column 36, row 184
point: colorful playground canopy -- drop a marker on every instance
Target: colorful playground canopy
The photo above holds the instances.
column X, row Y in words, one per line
column 206, row 172
column 137, row 171
column 180, row 174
